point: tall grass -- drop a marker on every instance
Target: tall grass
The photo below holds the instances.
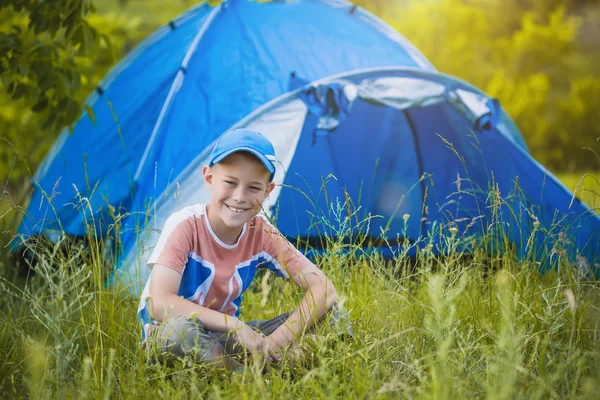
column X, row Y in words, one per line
column 585, row 186
column 431, row 327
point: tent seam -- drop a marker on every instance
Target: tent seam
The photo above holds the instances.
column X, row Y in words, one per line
column 174, row 89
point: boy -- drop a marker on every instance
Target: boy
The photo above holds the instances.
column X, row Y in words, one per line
column 207, row 256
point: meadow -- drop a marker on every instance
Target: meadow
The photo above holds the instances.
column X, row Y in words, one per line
column 430, row 327
column 456, row 326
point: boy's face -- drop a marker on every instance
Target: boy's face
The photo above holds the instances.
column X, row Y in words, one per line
column 239, row 184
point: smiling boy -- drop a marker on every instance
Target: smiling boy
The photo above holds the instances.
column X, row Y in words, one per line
column 207, row 256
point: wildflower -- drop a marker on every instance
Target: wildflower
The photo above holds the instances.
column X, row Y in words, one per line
column 536, row 223
column 453, row 230
column 405, row 217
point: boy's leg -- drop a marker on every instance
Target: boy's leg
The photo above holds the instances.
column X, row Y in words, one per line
column 186, row 337
column 336, row 321
column 268, row 326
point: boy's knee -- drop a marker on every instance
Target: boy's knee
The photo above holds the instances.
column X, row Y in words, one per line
column 182, row 336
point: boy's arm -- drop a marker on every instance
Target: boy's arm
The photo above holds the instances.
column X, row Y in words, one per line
column 319, row 297
column 165, row 303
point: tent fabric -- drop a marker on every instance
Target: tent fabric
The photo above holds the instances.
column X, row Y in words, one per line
column 428, row 162
column 353, row 110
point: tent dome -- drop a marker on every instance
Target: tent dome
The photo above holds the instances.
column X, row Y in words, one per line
column 390, row 156
column 187, row 83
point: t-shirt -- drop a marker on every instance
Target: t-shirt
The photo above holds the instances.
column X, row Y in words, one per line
column 215, row 274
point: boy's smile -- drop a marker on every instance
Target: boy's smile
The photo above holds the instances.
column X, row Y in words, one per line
column 239, row 184
column 237, row 210
column 238, row 213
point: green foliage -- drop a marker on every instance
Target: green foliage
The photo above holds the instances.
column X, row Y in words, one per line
column 430, row 327
column 39, row 43
column 438, row 328
column 64, row 70
column 575, row 120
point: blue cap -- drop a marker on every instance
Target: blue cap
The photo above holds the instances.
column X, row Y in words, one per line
column 244, row 140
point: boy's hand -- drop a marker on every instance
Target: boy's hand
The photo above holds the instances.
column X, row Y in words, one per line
column 256, row 343
column 274, row 349
column 278, row 342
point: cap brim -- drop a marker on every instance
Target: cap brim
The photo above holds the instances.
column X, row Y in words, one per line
column 268, row 164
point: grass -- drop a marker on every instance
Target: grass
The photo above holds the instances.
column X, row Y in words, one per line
column 429, row 328
column 586, row 186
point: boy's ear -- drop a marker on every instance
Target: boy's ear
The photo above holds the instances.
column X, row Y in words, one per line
column 270, row 187
column 207, row 173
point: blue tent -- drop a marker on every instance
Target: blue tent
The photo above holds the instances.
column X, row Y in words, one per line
column 354, row 111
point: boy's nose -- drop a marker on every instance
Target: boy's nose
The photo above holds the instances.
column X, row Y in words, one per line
column 238, row 195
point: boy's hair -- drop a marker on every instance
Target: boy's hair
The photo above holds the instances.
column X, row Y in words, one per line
column 244, row 140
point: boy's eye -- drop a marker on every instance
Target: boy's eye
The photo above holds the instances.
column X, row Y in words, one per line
column 230, row 183
column 254, row 188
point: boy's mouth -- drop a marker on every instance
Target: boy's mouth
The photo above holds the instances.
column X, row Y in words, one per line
column 235, row 209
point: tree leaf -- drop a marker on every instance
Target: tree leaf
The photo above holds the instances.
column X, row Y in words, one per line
column 20, row 90
column 40, row 105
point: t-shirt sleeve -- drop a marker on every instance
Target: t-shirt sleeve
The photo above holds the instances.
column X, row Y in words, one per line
column 285, row 259
column 174, row 244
